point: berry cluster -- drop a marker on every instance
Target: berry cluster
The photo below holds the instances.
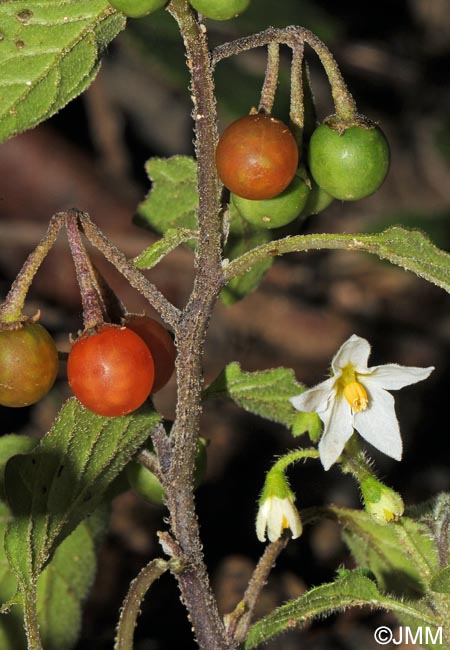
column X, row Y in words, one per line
column 111, row 369
column 257, row 159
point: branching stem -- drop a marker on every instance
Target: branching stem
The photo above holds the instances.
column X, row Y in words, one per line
column 293, row 37
column 169, row 313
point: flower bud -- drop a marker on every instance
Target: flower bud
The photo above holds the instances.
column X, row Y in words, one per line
column 383, row 503
column 277, row 510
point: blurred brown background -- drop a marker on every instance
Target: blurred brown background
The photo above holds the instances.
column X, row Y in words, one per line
column 395, row 57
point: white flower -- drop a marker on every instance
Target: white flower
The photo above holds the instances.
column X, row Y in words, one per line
column 356, row 397
column 275, row 514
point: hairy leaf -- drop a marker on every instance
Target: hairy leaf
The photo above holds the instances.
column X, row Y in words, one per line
column 401, row 555
column 49, row 53
column 173, row 237
column 441, row 581
column 11, row 445
column 61, row 588
column 64, row 479
column 173, row 200
column 413, row 251
column 435, row 515
column 265, row 393
column 350, row 589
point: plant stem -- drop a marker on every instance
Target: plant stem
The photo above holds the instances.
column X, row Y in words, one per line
column 270, row 80
column 240, row 619
column 30, row 618
column 354, row 461
column 132, row 603
column 297, row 108
column 292, row 37
column 297, row 244
column 169, row 313
column 11, row 309
column 190, row 335
column 150, row 461
column 293, row 457
column 92, row 307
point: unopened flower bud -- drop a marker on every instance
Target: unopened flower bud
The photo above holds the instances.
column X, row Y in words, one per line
column 383, row 503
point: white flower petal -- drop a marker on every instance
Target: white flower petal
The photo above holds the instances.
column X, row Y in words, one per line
column 272, row 517
column 338, row 427
column 378, row 423
column 261, row 521
column 355, row 351
column 316, row 398
column 275, row 519
column 392, row 376
column 294, row 521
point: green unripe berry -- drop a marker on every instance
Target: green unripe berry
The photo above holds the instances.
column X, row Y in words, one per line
column 220, row 9
column 278, row 211
column 349, row 165
column 318, row 199
column 137, row 8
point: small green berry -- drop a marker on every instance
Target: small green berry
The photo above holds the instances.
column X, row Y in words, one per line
column 349, row 165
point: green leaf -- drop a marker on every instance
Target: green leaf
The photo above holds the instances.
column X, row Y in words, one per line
column 65, row 583
column 435, row 515
column 49, row 53
column 173, row 200
column 11, row 445
column 410, row 249
column 350, row 589
column 265, row 393
column 402, row 555
column 414, row 251
column 61, row 589
column 64, row 479
column 243, row 238
column 173, row 237
column 441, row 581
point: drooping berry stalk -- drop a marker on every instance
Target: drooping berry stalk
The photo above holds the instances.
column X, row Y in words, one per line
column 12, row 308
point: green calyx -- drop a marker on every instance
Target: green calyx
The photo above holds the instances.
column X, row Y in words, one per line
column 349, row 163
column 383, row 503
column 220, row 9
column 138, row 8
column 276, row 485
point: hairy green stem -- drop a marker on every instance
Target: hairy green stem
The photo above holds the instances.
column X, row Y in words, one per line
column 355, row 462
column 30, row 619
column 132, row 603
column 293, row 457
column 297, row 244
column 12, row 308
